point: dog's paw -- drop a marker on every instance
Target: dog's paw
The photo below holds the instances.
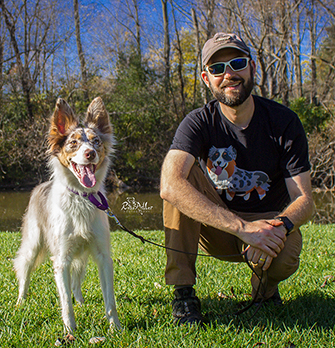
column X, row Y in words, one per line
column 80, row 300
column 68, row 339
column 20, row 301
column 115, row 326
column 95, row 340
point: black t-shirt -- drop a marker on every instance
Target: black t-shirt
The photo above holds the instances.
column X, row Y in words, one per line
column 247, row 166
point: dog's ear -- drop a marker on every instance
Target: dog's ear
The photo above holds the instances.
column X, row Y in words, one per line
column 97, row 117
column 212, row 151
column 63, row 118
column 232, row 152
column 62, row 121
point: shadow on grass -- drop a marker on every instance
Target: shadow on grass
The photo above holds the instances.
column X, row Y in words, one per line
column 146, row 311
column 313, row 309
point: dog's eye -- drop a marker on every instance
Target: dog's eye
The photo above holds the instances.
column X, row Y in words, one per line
column 216, row 156
column 73, row 142
column 96, row 141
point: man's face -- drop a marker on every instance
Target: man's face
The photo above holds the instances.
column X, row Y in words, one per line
column 233, row 87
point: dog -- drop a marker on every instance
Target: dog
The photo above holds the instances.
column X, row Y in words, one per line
column 60, row 219
column 222, row 170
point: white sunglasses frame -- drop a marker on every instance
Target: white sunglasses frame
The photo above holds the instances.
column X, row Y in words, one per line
column 227, row 64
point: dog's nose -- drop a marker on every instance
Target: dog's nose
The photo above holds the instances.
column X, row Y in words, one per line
column 90, row 154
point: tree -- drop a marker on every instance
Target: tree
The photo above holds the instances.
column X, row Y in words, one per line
column 80, row 48
column 312, row 32
column 166, row 51
column 179, row 67
column 198, row 66
column 2, row 44
column 326, row 70
column 142, row 118
column 28, row 28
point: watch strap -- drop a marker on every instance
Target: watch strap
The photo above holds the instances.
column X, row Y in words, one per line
column 289, row 225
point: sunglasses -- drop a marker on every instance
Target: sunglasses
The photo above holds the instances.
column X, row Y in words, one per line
column 236, row 64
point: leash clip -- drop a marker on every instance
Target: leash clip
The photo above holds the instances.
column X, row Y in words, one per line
column 103, row 205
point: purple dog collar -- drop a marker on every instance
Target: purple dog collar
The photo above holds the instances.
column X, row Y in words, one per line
column 103, row 205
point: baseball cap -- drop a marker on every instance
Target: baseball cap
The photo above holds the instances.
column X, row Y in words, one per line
column 220, row 41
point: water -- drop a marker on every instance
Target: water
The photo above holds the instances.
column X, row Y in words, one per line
column 136, row 211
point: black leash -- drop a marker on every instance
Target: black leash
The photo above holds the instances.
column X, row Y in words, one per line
column 110, row 213
column 103, row 205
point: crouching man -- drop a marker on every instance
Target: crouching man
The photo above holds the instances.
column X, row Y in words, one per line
column 235, row 181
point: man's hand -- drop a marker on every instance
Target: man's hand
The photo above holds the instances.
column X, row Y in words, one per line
column 268, row 236
column 258, row 257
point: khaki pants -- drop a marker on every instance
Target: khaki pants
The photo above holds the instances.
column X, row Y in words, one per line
column 183, row 233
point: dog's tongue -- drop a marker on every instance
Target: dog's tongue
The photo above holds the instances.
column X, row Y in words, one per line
column 87, row 177
column 218, row 170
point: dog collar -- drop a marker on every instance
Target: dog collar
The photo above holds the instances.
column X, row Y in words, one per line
column 102, row 205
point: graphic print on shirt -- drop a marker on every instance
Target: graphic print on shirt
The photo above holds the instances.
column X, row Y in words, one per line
column 222, row 170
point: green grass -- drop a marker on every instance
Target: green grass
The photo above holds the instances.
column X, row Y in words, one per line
column 306, row 320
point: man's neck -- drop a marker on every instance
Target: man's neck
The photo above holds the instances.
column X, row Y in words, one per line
column 240, row 115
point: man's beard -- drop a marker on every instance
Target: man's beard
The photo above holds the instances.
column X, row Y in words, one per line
column 235, row 98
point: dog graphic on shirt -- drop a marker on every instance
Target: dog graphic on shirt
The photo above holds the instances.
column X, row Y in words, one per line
column 222, row 170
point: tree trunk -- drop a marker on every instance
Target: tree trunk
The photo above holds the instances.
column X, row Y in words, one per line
column 198, row 66
column 166, row 46
column 1, row 60
column 180, row 69
column 284, row 85
column 80, row 49
column 138, row 30
column 23, row 70
column 312, row 31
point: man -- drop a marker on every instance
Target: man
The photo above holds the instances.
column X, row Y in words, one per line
column 253, row 190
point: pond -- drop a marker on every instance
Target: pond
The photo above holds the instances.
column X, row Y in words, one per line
column 136, row 211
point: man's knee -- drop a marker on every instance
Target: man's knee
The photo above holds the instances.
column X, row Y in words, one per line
column 287, row 262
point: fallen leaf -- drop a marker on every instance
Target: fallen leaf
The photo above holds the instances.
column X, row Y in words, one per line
column 328, row 277
column 258, row 344
column 67, row 339
column 157, row 285
column 222, row 295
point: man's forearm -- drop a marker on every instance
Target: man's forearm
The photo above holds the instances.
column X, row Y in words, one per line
column 195, row 205
column 299, row 211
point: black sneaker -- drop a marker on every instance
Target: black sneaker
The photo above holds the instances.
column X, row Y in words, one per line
column 275, row 299
column 186, row 307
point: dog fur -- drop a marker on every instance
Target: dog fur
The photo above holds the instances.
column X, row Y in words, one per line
column 59, row 219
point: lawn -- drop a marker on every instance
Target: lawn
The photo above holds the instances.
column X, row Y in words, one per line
column 307, row 318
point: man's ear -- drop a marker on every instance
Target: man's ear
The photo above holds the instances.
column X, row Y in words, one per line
column 204, row 77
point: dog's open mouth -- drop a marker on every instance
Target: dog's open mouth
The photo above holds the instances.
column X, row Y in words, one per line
column 85, row 174
column 218, row 170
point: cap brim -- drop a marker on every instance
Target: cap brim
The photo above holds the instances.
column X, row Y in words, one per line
column 213, row 51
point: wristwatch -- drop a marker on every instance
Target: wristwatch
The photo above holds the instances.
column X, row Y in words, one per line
column 287, row 223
